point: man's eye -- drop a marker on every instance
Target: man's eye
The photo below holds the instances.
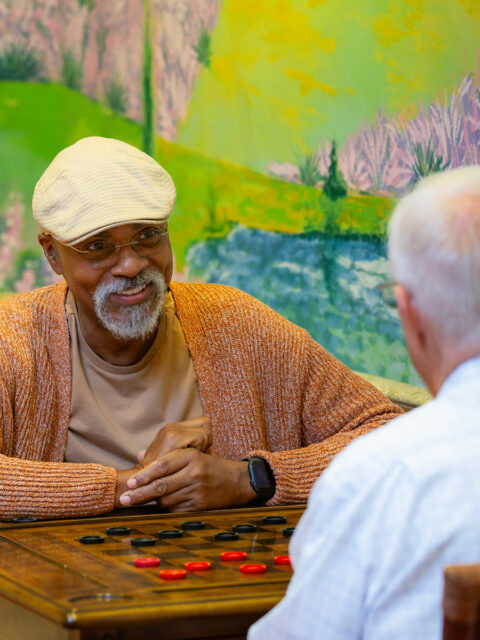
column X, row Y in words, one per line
column 150, row 234
column 97, row 245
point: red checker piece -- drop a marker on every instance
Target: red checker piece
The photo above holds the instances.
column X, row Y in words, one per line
column 253, row 568
column 172, row 574
column 233, row 555
column 282, row 560
column 197, row 566
column 140, row 563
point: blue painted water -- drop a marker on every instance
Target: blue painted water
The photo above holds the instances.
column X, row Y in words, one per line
column 325, row 284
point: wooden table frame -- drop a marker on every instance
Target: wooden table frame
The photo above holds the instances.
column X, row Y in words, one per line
column 37, row 557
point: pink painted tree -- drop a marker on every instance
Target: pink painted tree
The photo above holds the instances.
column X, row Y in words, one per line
column 390, row 155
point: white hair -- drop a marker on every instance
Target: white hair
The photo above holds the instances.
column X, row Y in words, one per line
column 434, row 249
column 139, row 320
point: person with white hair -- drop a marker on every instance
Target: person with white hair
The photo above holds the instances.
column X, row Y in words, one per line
column 119, row 387
column 398, row 505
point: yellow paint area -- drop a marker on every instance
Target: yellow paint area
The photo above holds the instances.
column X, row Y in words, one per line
column 308, row 83
column 472, row 7
column 281, row 23
column 298, row 72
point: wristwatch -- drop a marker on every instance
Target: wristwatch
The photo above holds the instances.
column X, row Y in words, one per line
column 261, row 479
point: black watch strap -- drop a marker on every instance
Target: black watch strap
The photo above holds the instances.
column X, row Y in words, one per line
column 261, row 479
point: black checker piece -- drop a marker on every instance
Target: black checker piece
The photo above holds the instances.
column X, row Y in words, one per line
column 24, row 519
column 244, row 528
column 274, row 520
column 142, row 542
column 118, row 531
column 192, row 525
column 170, row 533
column 92, row 539
column 288, row 532
column 226, row 536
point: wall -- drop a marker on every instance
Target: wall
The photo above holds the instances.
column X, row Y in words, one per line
column 289, row 127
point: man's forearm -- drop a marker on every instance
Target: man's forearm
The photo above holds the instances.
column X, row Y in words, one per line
column 54, row 489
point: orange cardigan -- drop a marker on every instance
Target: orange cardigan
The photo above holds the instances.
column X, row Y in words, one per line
column 267, row 386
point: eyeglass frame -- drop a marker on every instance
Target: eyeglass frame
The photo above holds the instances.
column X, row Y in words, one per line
column 387, row 285
column 116, row 247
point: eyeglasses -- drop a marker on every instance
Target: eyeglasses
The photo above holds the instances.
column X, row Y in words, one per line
column 104, row 253
column 386, row 291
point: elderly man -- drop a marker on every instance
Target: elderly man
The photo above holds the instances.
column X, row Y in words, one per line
column 400, row 504
column 119, row 387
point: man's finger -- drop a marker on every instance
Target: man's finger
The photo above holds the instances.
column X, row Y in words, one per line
column 176, row 499
column 170, row 463
column 196, row 433
column 151, row 491
column 160, row 478
column 146, row 493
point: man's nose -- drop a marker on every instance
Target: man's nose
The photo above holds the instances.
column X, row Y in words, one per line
column 129, row 263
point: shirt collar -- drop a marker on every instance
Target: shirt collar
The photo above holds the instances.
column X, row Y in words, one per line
column 460, row 376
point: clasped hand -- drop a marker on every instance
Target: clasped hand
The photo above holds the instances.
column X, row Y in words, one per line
column 179, row 471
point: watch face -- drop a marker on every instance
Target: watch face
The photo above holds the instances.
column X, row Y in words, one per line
column 262, row 479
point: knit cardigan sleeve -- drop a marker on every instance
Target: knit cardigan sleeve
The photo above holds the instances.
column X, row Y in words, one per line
column 48, row 490
column 34, row 415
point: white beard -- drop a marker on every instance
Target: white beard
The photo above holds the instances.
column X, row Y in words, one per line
column 139, row 320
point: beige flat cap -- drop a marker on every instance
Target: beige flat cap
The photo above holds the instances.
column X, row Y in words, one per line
column 98, row 183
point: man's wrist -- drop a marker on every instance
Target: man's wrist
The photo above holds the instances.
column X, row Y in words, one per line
column 262, row 479
column 241, row 478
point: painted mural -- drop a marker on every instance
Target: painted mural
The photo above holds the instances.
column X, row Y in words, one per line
column 290, row 127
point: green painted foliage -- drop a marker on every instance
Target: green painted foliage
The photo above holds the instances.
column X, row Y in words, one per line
column 115, row 96
column 18, row 61
column 427, row 161
column 203, row 48
column 72, row 71
column 334, row 186
column 90, row 4
column 309, row 173
column 148, row 126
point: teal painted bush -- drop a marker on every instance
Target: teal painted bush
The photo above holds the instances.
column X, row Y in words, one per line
column 325, row 284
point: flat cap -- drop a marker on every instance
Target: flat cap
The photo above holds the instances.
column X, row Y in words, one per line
column 99, row 183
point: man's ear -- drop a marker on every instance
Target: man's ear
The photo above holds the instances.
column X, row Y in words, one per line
column 417, row 332
column 411, row 320
column 51, row 253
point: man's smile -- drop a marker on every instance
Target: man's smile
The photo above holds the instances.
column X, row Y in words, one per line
column 132, row 295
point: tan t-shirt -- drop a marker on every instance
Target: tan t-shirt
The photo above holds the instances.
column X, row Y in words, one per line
column 117, row 410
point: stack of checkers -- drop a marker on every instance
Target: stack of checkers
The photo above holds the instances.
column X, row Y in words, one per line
column 252, row 536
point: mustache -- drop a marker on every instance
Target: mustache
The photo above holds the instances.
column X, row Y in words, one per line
column 149, row 275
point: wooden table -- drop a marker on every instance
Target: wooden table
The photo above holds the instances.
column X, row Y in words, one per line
column 54, row 587
column 461, row 602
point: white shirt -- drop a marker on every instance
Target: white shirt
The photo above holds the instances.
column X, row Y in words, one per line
column 390, row 512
